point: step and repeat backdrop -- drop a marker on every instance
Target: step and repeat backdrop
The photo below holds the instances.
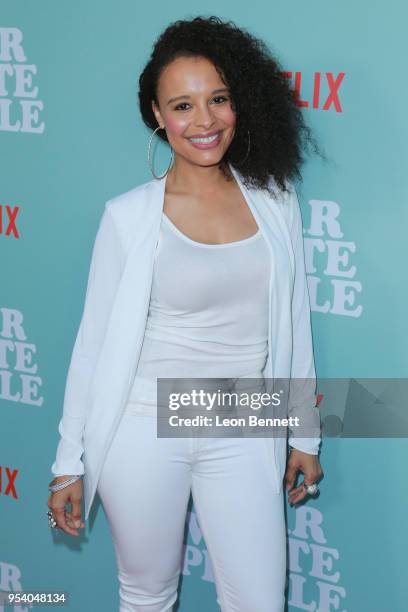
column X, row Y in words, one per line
column 71, row 137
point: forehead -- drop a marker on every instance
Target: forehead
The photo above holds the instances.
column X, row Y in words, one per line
column 189, row 73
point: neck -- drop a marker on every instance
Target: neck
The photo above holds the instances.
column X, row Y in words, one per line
column 187, row 177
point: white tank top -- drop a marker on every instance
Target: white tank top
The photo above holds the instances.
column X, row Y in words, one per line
column 208, row 313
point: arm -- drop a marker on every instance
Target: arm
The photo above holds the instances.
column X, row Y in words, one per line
column 302, row 398
column 103, row 280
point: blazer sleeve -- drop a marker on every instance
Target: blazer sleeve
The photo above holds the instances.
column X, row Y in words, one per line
column 103, row 280
column 302, row 396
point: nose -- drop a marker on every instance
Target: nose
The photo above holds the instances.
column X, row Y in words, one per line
column 204, row 117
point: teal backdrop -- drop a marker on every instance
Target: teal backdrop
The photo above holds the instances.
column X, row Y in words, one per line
column 71, row 137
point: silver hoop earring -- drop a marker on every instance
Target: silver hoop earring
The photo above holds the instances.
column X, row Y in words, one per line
column 149, row 155
column 247, row 153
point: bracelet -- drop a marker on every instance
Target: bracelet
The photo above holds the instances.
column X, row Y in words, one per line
column 61, row 485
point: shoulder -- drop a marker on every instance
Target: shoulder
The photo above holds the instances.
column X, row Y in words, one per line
column 287, row 201
column 131, row 200
column 130, row 210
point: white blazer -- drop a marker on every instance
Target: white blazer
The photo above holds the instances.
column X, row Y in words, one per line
column 110, row 335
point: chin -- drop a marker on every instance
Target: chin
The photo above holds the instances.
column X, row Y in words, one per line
column 213, row 161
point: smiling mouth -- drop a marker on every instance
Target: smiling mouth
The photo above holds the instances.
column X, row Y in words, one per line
column 206, row 140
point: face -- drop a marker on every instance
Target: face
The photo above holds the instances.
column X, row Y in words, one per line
column 195, row 107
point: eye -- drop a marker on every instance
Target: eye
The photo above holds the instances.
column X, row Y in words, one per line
column 222, row 98
column 181, row 104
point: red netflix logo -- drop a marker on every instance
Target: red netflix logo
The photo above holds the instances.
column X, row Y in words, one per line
column 7, row 478
column 8, row 220
column 333, row 85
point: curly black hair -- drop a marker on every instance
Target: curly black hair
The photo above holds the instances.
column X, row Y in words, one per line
column 262, row 98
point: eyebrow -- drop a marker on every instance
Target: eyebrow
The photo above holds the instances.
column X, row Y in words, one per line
column 186, row 97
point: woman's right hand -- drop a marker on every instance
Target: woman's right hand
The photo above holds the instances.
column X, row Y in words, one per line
column 67, row 521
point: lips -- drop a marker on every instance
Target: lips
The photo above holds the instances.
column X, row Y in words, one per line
column 206, row 142
column 210, row 142
column 207, row 135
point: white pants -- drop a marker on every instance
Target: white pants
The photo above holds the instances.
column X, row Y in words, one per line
column 144, row 488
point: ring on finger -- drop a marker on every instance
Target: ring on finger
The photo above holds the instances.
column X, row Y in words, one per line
column 312, row 488
column 51, row 520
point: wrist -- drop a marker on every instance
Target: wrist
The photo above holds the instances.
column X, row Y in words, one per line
column 60, row 482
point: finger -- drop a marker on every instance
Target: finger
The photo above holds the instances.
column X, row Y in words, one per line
column 75, row 518
column 311, row 478
column 298, row 496
column 295, row 502
column 60, row 518
column 76, row 511
column 290, row 476
column 299, row 489
column 70, row 521
column 296, row 491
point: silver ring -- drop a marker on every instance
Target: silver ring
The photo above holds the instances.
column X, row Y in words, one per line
column 312, row 489
column 51, row 520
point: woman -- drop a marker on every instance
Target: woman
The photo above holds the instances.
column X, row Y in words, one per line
column 195, row 250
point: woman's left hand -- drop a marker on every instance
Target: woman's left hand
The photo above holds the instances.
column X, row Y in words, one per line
column 312, row 471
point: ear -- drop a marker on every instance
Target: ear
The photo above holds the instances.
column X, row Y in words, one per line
column 157, row 114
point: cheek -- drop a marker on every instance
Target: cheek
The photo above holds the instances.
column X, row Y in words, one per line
column 227, row 115
column 176, row 125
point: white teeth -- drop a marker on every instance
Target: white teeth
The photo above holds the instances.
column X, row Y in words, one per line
column 204, row 140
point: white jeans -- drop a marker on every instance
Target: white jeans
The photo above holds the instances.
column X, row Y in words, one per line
column 144, row 488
